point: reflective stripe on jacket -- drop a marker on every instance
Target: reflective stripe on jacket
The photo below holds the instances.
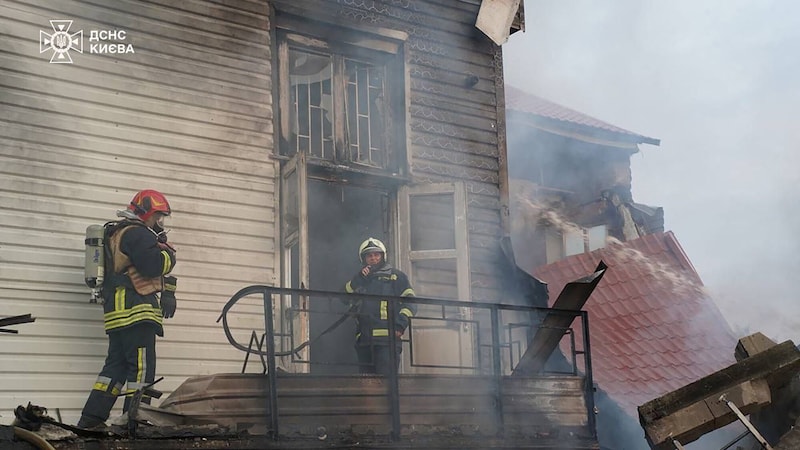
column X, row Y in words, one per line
column 372, row 318
column 130, row 299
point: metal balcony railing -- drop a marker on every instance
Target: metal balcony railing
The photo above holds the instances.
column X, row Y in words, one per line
column 495, row 337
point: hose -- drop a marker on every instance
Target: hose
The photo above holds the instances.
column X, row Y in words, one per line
column 257, row 289
column 32, row 438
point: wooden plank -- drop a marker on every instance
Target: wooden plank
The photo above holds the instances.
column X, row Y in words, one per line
column 444, row 116
column 179, row 71
column 219, row 184
column 777, row 365
column 86, row 115
column 472, row 66
column 751, row 345
column 479, row 162
column 128, row 88
column 128, row 132
column 424, row 87
column 206, row 35
column 253, row 14
column 454, row 171
column 452, row 130
column 147, row 106
column 371, row 14
column 437, row 141
column 70, row 183
column 692, row 422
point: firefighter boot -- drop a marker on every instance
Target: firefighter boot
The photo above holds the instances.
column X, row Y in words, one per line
column 97, row 409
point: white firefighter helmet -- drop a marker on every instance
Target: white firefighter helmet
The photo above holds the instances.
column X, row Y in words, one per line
column 371, row 245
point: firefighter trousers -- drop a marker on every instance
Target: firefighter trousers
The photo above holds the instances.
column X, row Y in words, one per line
column 376, row 358
column 131, row 360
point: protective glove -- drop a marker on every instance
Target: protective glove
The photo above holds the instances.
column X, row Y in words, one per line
column 168, row 301
column 360, row 278
column 168, row 247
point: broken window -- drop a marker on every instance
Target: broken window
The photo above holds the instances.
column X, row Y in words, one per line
column 341, row 124
column 579, row 240
column 336, row 99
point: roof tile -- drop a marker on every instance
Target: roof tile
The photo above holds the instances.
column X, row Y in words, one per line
column 645, row 326
column 518, row 100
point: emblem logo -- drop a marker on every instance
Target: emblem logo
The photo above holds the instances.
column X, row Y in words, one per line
column 61, row 41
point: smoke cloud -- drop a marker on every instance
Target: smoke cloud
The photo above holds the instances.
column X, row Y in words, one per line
column 717, row 83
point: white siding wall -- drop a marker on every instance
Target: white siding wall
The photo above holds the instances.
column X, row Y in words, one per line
column 189, row 113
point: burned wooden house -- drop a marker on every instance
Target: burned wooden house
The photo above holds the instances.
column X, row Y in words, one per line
column 653, row 325
column 283, row 133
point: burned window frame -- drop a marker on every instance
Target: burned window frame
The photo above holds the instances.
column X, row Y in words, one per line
column 343, row 45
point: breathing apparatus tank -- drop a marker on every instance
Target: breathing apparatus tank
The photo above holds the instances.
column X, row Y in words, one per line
column 94, row 261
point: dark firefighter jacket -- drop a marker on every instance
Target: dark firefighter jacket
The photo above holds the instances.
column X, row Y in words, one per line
column 372, row 318
column 123, row 306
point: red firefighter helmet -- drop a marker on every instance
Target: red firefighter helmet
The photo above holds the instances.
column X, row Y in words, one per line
column 148, row 202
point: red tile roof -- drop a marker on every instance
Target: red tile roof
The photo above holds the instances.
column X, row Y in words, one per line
column 652, row 327
column 519, row 100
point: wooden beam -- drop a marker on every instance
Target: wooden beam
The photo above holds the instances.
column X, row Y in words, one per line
column 777, row 365
column 697, row 419
column 750, row 345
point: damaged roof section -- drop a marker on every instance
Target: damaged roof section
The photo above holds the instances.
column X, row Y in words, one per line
column 653, row 328
column 534, row 111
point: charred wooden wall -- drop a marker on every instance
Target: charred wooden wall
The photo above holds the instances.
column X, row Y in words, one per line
column 455, row 129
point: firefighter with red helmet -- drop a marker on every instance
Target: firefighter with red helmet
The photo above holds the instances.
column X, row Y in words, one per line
column 137, row 295
column 377, row 277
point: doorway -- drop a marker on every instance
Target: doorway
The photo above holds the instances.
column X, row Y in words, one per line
column 340, row 217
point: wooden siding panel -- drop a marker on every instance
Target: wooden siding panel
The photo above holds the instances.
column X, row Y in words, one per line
column 478, row 123
column 456, row 145
column 455, row 158
column 128, row 89
column 427, row 87
column 209, row 35
column 452, row 76
column 454, row 136
column 188, row 113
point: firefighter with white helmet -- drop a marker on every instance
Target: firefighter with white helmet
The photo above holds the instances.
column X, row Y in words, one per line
column 377, row 277
column 137, row 294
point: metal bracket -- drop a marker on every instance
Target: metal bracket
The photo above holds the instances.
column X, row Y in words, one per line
column 752, row 429
column 677, row 444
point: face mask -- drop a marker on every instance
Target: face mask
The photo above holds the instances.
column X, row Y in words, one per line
column 160, row 224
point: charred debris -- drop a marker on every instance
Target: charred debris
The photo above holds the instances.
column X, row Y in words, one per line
column 764, row 384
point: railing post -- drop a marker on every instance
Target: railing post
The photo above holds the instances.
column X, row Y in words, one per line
column 497, row 369
column 394, row 382
column 589, row 389
column 272, row 398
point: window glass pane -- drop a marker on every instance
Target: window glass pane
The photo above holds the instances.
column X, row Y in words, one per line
column 436, row 278
column 311, row 105
column 363, row 139
column 573, row 242
column 597, row 237
column 366, row 125
column 432, row 222
column 366, row 113
column 316, row 126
